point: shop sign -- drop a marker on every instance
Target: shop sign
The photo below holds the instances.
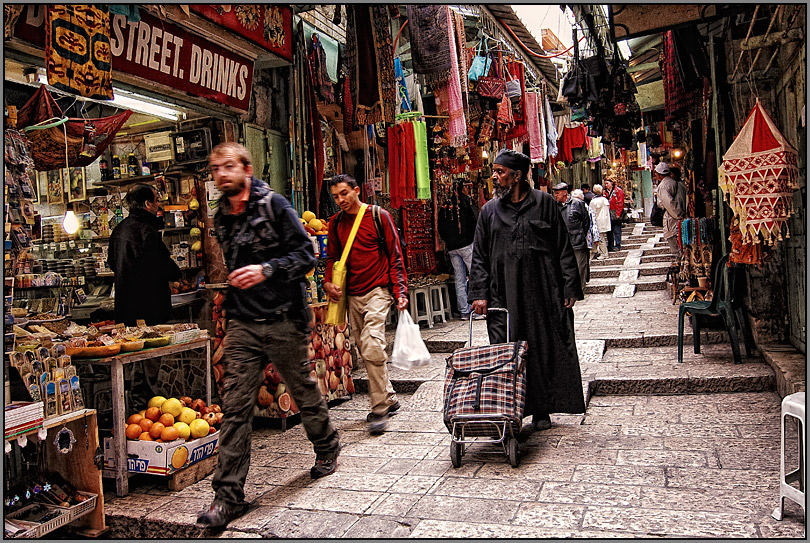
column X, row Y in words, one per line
column 159, row 51
column 269, row 26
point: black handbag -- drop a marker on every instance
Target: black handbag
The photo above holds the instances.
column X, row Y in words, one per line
column 657, row 214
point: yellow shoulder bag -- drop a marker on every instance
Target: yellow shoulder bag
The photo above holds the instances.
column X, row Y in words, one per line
column 336, row 312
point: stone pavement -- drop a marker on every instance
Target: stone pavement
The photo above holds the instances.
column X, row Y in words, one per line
column 664, row 449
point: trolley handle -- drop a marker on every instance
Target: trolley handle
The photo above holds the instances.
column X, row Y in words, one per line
column 488, row 310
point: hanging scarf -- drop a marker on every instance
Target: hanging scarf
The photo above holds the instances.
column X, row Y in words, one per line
column 421, row 161
column 384, row 55
column 404, row 101
column 677, row 100
column 461, row 44
column 458, row 124
column 314, row 129
column 551, row 129
column 348, row 109
column 430, row 34
column 77, row 49
column 407, row 158
column 536, row 147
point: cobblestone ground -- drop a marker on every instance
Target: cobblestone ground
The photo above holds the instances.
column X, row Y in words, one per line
column 664, row 449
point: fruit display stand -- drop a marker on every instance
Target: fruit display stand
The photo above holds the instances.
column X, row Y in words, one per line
column 78, row 466
column 331, row 363
column 116, row 363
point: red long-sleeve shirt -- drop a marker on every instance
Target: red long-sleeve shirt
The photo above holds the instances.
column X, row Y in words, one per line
column 367, row 268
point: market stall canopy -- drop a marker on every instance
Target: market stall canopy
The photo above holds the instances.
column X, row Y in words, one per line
column 635, row 20
column 759, row 177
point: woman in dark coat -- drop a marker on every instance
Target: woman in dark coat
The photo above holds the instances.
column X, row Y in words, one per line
column 142, row 263
column 523, row 261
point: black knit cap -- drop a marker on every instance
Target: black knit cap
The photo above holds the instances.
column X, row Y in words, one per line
column 514, row 160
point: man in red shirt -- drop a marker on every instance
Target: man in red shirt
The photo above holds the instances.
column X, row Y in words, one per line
column 375, row 278
column 615, row 196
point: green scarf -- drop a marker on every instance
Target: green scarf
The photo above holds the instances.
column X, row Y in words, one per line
column 421, row 161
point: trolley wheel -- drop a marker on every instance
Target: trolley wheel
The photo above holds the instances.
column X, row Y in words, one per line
column 512, row 451
column 455, row 454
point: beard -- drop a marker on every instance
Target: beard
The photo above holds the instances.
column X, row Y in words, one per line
column 234, row 189
column 502, row 192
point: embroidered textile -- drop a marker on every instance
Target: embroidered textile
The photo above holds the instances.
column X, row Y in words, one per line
column 430, row 34
column 758, row 176
column 536, row 145
column 317, row 66
column 77, row 49
column 551, row 129
column 518, row 133
column 463, row 65
column 677, row 100
column 458, row 124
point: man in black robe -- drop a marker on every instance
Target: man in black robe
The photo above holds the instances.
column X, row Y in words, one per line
column 523, row 261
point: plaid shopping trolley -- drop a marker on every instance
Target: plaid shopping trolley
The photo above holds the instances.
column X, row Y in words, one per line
column 485, row 395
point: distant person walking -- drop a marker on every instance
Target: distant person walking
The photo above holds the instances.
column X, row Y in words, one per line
column 577, row 222
column 587, row 195
column 601, row 210
column 615, row 196
column 671, row 196
column 457, row 228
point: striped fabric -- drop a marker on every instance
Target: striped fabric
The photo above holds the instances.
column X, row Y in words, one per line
column 486, row 380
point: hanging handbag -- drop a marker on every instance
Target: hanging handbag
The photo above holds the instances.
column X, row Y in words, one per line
column 336, row 311
column 657, row 214
column 514, row 90
column 481, row 63
column 572, row 81
column 491, row 87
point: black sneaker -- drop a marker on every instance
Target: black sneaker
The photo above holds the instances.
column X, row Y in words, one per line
column 394, row 407
column 377, row 423
column 325, row 464
column 219, row 515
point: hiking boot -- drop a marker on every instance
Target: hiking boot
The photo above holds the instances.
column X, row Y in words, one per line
column 377, row 423
column 541, row 422
column 325, row 464
column 391, row 410
column 219, row 515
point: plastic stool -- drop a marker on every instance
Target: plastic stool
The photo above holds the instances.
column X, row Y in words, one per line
column 440, row 302
column 413, row 302
column 792, row 405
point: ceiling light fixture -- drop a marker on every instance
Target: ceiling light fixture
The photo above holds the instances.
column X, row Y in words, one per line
column 70, row 223
column 138, row 103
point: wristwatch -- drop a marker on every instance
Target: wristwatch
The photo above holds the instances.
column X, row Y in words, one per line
column 267, row 269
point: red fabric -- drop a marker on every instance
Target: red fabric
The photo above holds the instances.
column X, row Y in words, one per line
column 571, row 138
column 407, row 161
column 394, row 171
column 367, row 269
column 763, row 139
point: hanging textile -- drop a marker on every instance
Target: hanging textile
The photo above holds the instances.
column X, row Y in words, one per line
column 394, row 133
column 536, row 147
column 320, row 77
column 403, row 100
column 518, row 133
column 331, row 49
column 11, row 12
column 414, row 92
column 77, row 49
column 551, row 129
column 421, row 161
column 572, row 138
column 677, row 100
column 86, row 138
column 130, row 11
column 541, row 117
column 348, row 107
column 760, row 174
column 461, row 54
column 370, row 65
column 407, row 161
column 314, row 130
column 430, row 34
column 458, row 123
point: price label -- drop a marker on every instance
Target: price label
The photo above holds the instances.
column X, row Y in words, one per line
column 63, row 246
column 71, row 244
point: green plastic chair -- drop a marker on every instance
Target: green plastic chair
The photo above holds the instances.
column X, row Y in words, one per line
column 720, row 305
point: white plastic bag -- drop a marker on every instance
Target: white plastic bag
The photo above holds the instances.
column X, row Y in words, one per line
column 410, row 350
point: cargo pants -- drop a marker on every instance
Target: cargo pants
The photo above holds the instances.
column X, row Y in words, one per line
column 249, row 345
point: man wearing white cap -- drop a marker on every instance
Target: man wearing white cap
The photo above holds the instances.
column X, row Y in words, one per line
column 672, row 198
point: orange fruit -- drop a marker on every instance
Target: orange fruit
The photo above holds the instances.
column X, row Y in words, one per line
column 179, row 457
column 284, row 402
column 156, row 429
column 153, row 414
column 166, row 419
column 145, row 424
column 145, row 437
column 134, row 431
column 134, row 419
column 169, row 433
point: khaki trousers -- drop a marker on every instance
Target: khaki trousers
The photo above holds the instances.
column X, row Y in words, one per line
column 367, row 315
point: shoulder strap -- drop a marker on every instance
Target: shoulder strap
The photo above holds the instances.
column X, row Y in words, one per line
column 266, row 206
column 382, row 245
column 353, row 233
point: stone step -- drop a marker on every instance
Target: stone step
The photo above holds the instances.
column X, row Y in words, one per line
column 614, row 271
column 607, row 285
